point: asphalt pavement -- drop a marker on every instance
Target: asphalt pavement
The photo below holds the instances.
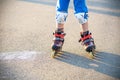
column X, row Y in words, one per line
column 26, row 28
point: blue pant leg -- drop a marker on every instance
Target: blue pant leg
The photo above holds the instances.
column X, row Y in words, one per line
column 62, row 5
column 80, row 6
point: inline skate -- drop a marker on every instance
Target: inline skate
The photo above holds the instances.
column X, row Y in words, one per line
column 58, row 42
column 88, row 42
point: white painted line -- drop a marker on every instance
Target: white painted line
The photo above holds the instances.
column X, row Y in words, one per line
column 94, row 65
column 19, row 55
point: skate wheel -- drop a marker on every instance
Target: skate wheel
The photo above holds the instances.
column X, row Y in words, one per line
column 92, row 54
column 53, row 54
column 56, row 52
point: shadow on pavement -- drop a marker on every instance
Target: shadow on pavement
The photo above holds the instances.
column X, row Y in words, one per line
column 106, row 63
column 103, row 4
column 110, row 4
column 108, row 7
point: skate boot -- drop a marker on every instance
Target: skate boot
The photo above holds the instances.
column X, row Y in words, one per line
column 58, row 42
column 88, row 42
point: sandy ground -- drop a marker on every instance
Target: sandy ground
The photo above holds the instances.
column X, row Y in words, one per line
column 26, row 28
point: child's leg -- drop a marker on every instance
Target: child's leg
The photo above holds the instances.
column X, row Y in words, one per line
column 81, row 13
column 83, row 20
column 61, row 12
column 61, row 15
column 85, row 27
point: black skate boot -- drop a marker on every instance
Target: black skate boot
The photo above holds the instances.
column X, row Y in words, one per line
column 58, row 41
column 88, row 42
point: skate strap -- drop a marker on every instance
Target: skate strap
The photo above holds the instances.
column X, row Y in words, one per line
column 87, row 41
column 85, row 37
column 59, row 35
column 58, row 39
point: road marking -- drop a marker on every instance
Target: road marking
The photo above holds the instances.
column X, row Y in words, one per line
column 18, row 55
column 94, row 65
